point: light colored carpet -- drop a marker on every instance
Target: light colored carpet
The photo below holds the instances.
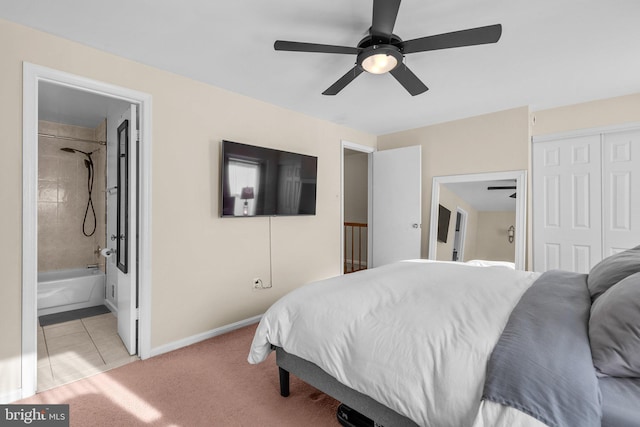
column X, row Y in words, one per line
column 206, row 384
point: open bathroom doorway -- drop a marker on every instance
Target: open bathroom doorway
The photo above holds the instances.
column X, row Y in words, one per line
column 86, row 216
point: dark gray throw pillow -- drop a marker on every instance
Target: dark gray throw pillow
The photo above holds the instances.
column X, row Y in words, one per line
column 613, row 269
column 614, row 329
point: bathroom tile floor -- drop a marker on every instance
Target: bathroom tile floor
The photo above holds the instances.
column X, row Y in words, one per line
column 78, row 349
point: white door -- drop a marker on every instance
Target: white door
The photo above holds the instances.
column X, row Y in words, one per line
column 621, row 191
column 566, row 201
column 121, row 286
column 396, row 205
column 460, row 235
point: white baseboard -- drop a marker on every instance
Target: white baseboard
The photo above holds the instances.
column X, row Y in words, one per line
column 111, row 307
column 203, row 336
column 11, row 397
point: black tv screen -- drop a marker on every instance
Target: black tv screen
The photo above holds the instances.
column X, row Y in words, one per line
column 258, row 181
column 444, row 215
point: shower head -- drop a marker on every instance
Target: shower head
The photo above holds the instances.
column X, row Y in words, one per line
column 73, row 150
column 88, row 162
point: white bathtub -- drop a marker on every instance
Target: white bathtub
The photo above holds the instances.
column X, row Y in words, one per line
column 64, row 290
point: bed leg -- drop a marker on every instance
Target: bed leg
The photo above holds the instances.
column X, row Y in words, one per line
column 284, row 382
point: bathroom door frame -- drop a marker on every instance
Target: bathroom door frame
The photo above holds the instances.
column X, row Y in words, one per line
column 32, row 75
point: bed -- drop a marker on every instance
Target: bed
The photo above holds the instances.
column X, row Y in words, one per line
column 452, row 344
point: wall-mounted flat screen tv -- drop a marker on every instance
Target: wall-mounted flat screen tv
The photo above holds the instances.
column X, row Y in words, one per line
column 258, row 181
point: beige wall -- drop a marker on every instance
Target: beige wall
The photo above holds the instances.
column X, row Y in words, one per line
column 355, row 187
column 202, row 265
column 605, row 112
column 492, row 237
column 451, row 201
column 501, row 141
column 63, row 197
column 488, row 143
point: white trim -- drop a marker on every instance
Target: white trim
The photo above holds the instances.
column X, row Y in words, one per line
column 32, row 75
column 29, row 358
column 144, row 230
column 111, row 307
column 586, row 132
column 364, row 149
column 521, row 205
column 369, row 208
column 175, row 345
column 10, row 397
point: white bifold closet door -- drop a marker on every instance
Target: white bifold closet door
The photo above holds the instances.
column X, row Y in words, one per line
column 586, row 199
column 566, row 203
column 621, row 191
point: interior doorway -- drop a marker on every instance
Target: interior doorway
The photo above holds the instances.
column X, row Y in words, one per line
column 78, row 319
column 356, row 207
column 65, row 100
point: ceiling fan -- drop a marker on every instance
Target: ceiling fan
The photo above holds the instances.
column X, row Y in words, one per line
column 382, row 51
column 507, row 187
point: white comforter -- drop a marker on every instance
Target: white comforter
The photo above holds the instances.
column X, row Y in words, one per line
column 414, row 335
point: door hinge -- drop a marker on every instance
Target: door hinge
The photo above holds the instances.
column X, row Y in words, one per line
column 137, row 314
column 138, row 133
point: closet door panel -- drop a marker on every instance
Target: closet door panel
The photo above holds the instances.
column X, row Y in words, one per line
column 566, row 201
column 621, row 191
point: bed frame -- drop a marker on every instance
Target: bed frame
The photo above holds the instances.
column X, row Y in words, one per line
column 316, row 377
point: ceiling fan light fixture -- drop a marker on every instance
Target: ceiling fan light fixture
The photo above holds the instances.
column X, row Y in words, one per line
column 379, row 64
column 379, row 60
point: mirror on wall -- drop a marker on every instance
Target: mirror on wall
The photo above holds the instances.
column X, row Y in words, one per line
column 479, row 216
column 122, row 222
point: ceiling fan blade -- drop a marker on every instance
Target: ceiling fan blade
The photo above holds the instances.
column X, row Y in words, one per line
column 384, row 17
column 408, row 80
column 506, row 187
column 470, row 37
column 313, row 47
column 343, row 81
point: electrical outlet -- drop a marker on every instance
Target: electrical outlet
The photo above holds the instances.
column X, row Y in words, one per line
column 257, row 283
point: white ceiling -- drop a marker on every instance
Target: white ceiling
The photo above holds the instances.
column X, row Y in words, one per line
column 481, row 199
column 61, row 104
column 551, row 52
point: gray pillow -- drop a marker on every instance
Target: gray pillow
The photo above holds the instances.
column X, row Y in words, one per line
column 611, row 270
column 614, row 329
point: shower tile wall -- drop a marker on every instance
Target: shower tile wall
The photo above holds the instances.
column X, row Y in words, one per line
column 63, row 195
